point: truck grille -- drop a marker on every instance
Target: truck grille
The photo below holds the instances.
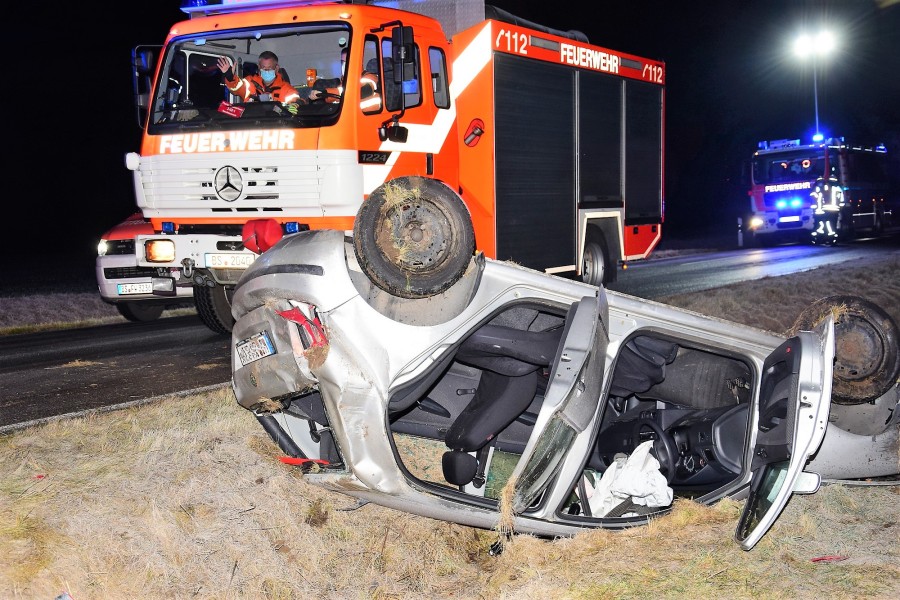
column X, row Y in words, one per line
column 128, row 272
column 269, row 182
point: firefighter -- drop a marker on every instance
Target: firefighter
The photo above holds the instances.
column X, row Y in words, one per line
column 829, row 200
column 267, row 85
column 326, row 90
column 369, row 91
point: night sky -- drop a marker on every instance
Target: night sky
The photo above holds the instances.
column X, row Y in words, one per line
column 732, row 81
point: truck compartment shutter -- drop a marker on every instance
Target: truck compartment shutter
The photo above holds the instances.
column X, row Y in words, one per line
column 643, row 153
column 600, row 140
column 535, row 162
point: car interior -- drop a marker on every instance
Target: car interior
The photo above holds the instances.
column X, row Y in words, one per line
column 464, row 424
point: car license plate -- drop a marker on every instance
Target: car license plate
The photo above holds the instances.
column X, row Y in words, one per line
column 126, row 289
column 230, row 261
column 254, row 348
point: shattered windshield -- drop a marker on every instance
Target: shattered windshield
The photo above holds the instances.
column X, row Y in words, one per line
column 272, row 77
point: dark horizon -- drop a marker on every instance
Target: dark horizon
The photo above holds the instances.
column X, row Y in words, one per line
column 730, row 82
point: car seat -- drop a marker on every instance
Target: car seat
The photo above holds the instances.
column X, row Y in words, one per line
column 510, row 359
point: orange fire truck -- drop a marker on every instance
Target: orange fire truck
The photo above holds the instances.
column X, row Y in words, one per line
column 554, row 145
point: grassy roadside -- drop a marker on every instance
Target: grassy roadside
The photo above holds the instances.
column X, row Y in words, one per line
column 51, row 311
column 186, row 498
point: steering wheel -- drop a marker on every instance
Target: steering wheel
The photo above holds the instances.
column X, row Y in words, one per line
column 325, row 97
column 663, row 446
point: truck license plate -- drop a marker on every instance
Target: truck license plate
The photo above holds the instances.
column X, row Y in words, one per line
column 254, row 348
column 126, row 289
column 230, row 261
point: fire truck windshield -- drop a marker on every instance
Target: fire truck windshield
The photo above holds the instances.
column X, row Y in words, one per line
column 192, row 93
column 802, row 165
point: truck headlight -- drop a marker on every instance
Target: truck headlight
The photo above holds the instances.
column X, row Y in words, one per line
column 755, row 223
column 159, row 251
column 102, row 248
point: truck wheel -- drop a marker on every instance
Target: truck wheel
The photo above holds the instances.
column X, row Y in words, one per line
column 139, row 312
column 413, row 237
column 214, row 307
column 597, row 268
column 867, row 354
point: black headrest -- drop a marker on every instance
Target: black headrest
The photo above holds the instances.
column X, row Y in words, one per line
column 459, row 467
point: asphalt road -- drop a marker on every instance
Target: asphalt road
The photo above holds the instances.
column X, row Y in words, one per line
column 696, row 272
column 44, row 375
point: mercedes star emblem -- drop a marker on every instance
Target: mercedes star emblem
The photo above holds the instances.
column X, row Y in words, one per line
column 229, row 183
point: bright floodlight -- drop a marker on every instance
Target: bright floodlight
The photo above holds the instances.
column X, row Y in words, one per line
column 824, row 42
column 806, row 45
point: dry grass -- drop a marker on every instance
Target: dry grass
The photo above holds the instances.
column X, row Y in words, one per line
column 186, row 498
column 48, row 312
column 774, row 303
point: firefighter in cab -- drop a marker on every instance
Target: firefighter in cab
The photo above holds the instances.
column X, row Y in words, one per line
column 268, row 85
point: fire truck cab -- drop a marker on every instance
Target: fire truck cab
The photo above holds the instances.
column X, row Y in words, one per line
column 831, row 189
column 553, row 145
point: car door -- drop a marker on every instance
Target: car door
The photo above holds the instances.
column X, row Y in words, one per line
column 794, row 403
column 576, row 381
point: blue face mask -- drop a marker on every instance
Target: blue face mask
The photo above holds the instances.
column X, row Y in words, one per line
column 268, row 75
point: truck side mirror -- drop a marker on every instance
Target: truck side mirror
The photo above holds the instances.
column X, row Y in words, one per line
column 403, row 53
column 143, row 59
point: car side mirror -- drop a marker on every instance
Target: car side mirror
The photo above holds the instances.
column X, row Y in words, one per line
column 807, row 483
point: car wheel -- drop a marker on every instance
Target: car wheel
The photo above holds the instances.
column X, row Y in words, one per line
column 214, row 307
column 139, row 312
column 867, row 355
column 413, row 237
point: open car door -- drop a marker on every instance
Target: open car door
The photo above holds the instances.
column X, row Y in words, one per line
column 576, row 380
column 794, row 402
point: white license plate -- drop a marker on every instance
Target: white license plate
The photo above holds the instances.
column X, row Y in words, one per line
column 126, row 289
column 229, row 261
column 254, row 348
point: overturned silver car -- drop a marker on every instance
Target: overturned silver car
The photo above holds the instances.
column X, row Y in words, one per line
column 561, row 405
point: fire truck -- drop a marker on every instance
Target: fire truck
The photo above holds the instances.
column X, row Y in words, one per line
column 793, row 185
column 553, row 145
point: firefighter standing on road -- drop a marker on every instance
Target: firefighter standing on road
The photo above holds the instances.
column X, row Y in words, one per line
column 267, row 85
column 829, row 200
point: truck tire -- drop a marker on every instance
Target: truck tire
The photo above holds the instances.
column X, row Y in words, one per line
column 413, row 237
column 597, row 268
column 214, row 307
column 139, row 312
column 867, row 347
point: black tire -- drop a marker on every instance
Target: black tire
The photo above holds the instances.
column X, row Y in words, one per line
column 214, row 307
column 140, row 312
column 867, row 354
column 413, row 237
column 597, row 268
